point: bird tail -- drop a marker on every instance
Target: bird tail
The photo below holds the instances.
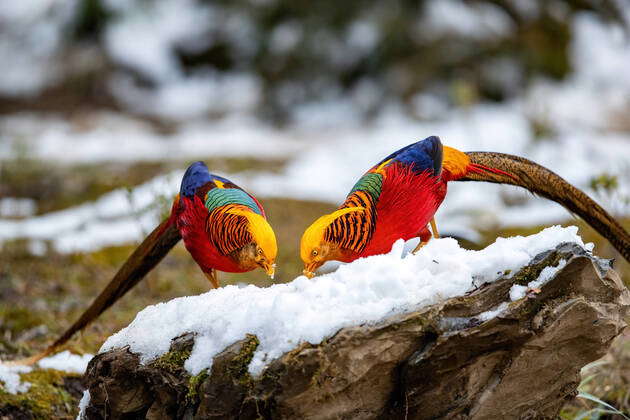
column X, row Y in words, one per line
column 144, row 258
column 502, row 168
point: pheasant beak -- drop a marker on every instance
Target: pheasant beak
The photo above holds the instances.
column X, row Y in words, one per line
column 270, row 269
column 309, row 269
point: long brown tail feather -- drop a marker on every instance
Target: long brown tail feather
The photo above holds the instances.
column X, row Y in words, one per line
column 514, row 170
column 144, row 258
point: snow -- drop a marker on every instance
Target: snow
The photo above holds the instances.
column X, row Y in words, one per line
column 66, row 361
column 144, row 36
column 85, row 400
column 477, row 21
column 192, row 97
column 10, row 376
column 106, row 137
column 31, row 35
column 17, row 207
column 116, row 218
column 493, row 313
column 518, row 292
column 365, row 291
column 147, row 37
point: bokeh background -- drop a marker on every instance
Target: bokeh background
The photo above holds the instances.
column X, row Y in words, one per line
column 103, row 104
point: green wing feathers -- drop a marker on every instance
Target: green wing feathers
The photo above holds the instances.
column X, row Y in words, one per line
column 218, row 197
column 371, row 183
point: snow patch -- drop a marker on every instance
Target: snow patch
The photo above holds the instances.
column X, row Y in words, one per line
column 85, row 400
column 477, row 21
column 31, row 36
column 492, row 313
column 118, row 217
column 365, row 291
column 17, row 207
column 10, row 376
column 66, row 362
column 518, row 292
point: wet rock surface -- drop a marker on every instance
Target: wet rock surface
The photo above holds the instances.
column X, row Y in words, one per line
column 443, row 361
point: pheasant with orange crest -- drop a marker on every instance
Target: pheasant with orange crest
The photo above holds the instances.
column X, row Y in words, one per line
column 398, row 198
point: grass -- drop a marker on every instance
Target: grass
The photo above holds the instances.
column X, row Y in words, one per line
column 604, row 392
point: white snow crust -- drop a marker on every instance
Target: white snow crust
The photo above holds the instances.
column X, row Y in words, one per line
column 10, row 378
column 66, row 361
column 85, row 400
column 518, row 292
column 365, row 291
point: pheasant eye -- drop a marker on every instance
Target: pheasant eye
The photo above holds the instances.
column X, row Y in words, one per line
column 259, row 251
column 314, row 252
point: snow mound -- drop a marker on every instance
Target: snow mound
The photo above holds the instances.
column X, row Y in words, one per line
column 365, row 291
column 10, row 376
column 67, row 362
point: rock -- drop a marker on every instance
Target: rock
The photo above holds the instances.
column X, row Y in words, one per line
column 443, row 361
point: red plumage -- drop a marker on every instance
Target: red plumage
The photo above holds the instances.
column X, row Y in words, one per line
column 407, row 203
column 191, row 215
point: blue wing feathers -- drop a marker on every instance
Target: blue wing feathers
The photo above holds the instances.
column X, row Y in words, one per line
column 196, row 175
column 422, row 156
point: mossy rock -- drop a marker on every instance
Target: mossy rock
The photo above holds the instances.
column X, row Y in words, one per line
column 52, row 395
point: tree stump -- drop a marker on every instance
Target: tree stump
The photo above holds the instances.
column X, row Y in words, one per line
column 452, row 360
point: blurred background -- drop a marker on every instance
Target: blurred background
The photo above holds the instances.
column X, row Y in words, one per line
column 103, row 104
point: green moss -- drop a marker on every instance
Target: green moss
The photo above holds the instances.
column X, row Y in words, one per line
column 239, row 365
column 530, row 273
column 194, row 383
column 46, row 398
column 16, row 319
column 173, row 361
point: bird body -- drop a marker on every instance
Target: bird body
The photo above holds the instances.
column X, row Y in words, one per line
column 223, row 227
column 218, row 220
column 398, row 198
column 410, row 193
column 395, row 199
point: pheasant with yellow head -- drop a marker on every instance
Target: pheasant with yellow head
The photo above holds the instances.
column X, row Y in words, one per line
column 223, row 227
column 398, row 198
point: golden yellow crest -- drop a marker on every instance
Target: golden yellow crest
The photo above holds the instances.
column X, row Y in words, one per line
column 314, row 234
column 261, row 231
